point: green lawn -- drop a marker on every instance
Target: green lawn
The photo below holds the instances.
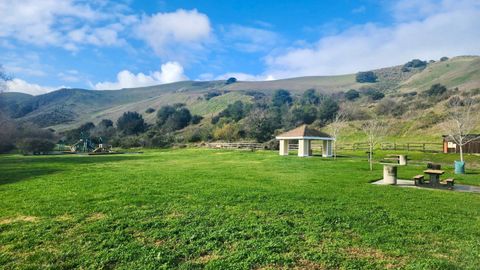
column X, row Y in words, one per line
column 198, row 208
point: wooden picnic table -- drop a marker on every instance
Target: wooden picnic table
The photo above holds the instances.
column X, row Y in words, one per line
column 434, row 176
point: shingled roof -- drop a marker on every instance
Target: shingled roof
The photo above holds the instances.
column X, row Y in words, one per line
column 304, row 132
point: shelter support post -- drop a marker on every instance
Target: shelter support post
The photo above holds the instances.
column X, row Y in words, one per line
column 303, row 148
column 283, row 147
column 327, row 149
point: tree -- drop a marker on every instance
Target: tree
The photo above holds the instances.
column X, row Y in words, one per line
column 337, row 124
column 231, row 80
column 415, row 63
column 131, row 123
column 327, row 110
column 374, row 130
column 352, row 94
column 310, row 97
column 281, row 97
column 462, row 119
column 260, row 125
column 235, row 111
column 227, row 132
column 443, row 59
column 106, row 123
column 164, row 113
column 366, row 77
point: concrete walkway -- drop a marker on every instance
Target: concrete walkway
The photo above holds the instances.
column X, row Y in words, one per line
column 410, row 184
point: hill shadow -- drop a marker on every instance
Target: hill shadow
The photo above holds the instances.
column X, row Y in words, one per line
column 17, row 169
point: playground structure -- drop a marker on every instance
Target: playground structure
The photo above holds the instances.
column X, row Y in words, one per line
column 86, row 145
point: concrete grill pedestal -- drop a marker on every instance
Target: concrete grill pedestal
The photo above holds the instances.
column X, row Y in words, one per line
column 389, row 174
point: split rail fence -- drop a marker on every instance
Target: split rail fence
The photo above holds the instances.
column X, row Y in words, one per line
column 422, row 147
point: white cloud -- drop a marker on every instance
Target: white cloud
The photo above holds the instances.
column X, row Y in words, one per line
column 21, row 86
column 250, row 39
column 169, row 72
column 57, row 23
column 448, row 30
column 175, row 34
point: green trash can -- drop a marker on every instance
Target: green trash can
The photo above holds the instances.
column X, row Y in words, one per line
column 459, row 167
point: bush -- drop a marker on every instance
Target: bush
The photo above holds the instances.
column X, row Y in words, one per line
column 35, row 146
column 390, row 107
column 131, row 123
column 227, row 132
column 212, row 94
column 352, row 94
column 436, row 90
column 130, row 142
column 373, row 94
column 196, row 119
column 443, row 59
column 366, row 77
column 150, row 110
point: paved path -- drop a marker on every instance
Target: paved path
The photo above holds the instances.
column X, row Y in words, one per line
column 410, row 184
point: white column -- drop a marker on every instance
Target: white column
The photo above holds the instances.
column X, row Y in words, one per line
column 303, row 148
column 327, row 149
column 283, row 148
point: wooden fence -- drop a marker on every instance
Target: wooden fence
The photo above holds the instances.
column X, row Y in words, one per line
column 422, row 147
column 410, row 146
column 239, row 145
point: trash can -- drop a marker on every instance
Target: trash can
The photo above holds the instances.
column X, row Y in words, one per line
column 459, row 167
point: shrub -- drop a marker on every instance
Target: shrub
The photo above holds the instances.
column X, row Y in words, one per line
column 196, row 119
column 227, row 132
column 352, row 94
column 366, row 77
column 373, row 94
column 436, row 90
column 150, row 110
column 443, row 59
column 212, row 94
column 390, row 107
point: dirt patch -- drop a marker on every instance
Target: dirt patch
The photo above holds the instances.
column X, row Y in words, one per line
column 306, row 264
column 64, row 218
column 147, row 241
column 18, row 219
column 205, row 258
column 96, row 216
column 174, row 215
column 375, row 254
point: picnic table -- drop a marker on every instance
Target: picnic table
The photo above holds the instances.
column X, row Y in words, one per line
column 434, row 176
column 401, row 159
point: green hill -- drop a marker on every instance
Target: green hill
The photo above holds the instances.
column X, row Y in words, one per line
column 67, row 108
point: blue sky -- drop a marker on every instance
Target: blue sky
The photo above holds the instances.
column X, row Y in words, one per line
column 119, row 44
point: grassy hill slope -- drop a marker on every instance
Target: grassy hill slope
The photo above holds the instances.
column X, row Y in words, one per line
column 68, row 108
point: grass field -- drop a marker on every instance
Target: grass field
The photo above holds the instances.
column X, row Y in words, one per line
column 198, row 208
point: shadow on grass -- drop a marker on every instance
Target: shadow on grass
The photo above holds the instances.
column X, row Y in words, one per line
column 19, row 168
